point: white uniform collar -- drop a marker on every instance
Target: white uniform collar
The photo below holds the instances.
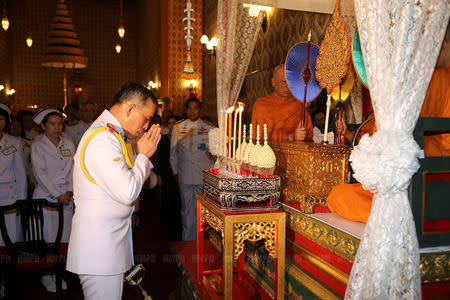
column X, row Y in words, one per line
column 195, row 123
column 45, row 138
column 108, row 117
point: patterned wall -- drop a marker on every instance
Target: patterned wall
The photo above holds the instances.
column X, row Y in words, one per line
column 5, row 62
column 96, row 25
column 285, row 28
column 176, row 52
column 209, row 61
column 149, row 42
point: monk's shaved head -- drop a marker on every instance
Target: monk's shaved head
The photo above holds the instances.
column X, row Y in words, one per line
column 279, row 84
column 277, row 70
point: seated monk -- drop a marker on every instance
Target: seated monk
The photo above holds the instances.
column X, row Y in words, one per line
column 351, row 201
column 281, row 112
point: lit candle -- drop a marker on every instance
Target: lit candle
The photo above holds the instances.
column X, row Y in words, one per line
column 241, row 108
column 234, row 132
column 230, row 115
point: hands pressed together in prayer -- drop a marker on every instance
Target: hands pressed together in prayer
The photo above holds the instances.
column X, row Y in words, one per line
column 148, row 142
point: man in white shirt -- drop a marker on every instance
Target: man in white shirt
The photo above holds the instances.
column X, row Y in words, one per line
column 88, row 112
column 188, row 158
column 105, row 184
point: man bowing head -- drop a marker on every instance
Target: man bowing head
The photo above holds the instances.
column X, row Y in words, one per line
column 107, row 178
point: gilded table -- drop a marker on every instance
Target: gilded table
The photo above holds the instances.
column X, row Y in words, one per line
column 236, row 227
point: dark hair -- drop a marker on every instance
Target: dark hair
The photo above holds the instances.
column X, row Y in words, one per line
column 156, row 119
column 134, row 92
column 193, row 99
column 22, row 132
column 70, row 107
column 23, row 113
column 172, row 117
column 6, row 115
column 45, row 120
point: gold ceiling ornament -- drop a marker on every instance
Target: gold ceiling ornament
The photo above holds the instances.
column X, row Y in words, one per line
column 63, row 50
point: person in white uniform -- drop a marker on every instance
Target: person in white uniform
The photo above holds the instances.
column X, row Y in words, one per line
column 106, row 183
column 13, row 179
column 188, row 158
column 87, row 113
column 52, row 164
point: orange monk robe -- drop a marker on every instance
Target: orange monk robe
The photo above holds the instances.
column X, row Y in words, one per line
column 281, row 116
column 437, row 105
column 351, row 201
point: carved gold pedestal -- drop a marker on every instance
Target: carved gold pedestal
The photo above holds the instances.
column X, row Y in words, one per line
column 309, row 171
column 236, row 228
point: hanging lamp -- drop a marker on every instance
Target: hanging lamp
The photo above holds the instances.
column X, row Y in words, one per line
column 121, row 29
column 63, row 49
column 5, row 21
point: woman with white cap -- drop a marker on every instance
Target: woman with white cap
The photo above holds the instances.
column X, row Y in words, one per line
column 52, row 163
column 13, row 179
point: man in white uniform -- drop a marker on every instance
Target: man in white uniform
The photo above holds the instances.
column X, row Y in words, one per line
column 188, row 158
column 105, row 186
column 87, row 114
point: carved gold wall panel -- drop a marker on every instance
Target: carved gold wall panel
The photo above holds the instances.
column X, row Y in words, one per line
column 435, row 267
column 326, row 236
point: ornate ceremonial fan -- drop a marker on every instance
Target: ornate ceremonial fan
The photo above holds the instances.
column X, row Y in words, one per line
column 295, row 66
column 333, row 59
column 358, row 61
column 301, row 72
column 342, row 91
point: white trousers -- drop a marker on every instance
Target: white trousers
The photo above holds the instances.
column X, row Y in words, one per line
column 102, row 287
column 189, row 210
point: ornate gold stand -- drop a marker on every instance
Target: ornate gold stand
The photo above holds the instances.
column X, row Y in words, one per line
column 237, row 227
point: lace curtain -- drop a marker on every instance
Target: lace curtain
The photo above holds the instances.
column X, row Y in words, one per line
column 400, row 40
column 238, row 32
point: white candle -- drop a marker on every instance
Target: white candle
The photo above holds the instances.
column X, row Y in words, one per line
column 220, row 133
column 230, row 115
column 243, row 141
column 327, row 116
column 238, row 156
column 234, row 133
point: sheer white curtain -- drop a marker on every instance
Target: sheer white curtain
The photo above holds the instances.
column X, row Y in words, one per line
column 400, row 40
column 238, row 32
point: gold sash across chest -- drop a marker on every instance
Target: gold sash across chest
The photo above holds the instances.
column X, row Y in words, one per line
column 127, row 150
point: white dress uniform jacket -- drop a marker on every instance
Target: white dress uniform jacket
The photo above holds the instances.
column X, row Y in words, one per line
column 100, row 242
column 188, row 151
column 52, row 168
column 76, row 131
column 13, row 180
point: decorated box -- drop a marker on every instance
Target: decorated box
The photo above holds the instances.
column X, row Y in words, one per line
column 241, row 193
column 309, row 171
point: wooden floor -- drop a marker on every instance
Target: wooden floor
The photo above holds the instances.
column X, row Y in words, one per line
column 151, row 249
